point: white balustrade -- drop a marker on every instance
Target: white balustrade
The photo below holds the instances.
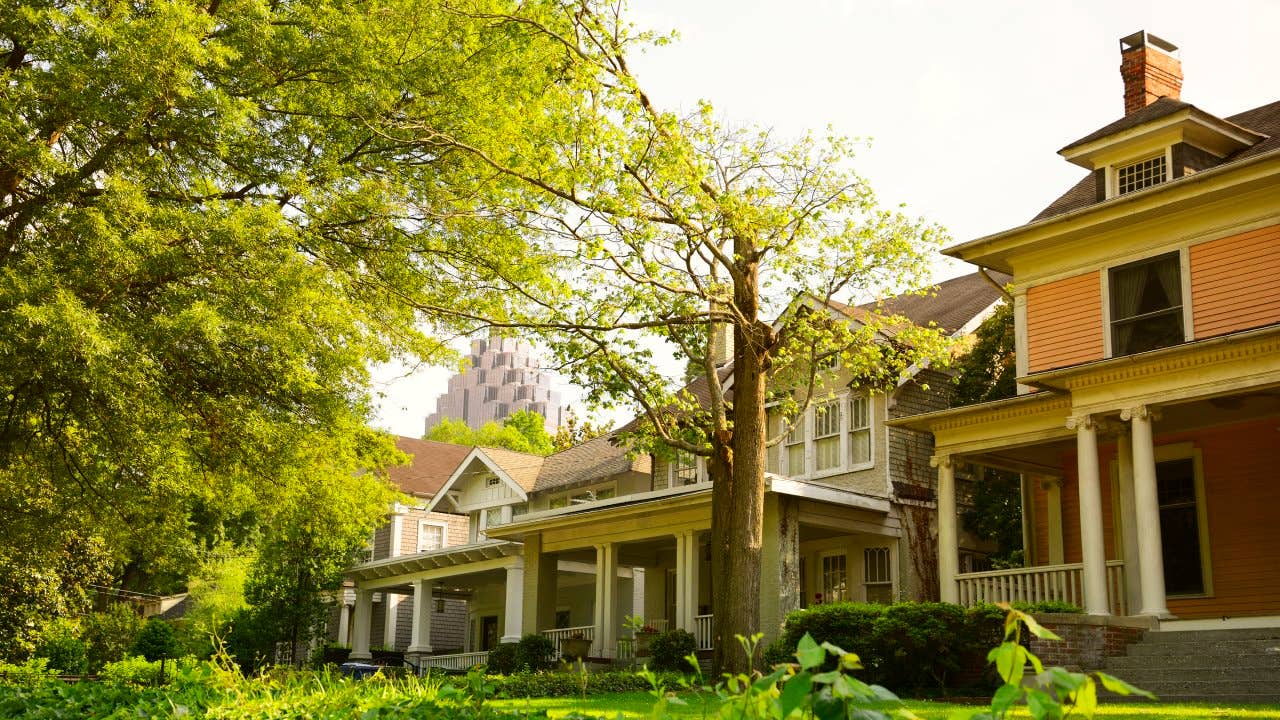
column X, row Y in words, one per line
column 703, row 631
column 459, row 662
column 586, row 632
column 1042, row 583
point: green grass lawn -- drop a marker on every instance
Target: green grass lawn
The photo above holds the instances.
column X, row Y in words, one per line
column 638, row 704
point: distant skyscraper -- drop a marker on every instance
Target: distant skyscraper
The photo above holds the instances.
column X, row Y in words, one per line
column 504, row 377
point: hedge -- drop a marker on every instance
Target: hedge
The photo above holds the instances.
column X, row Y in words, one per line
column 911, row 647
column 570, row 684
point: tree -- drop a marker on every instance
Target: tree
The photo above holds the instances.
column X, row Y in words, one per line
column 574, row 432
column 667, row 230
column 522, row 431
column 989, row 370
column 205, row 240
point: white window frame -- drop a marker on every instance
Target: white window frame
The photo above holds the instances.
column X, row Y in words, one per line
column 582, row 496
column 808, row 425
column 1104, row 281
column 699, row 469
column 867, row 581
column 444, row 534
column 1113, row 171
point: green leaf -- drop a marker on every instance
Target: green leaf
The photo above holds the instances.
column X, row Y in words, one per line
column 1086, row 697
column 1120, row 687
column 809, row 654
column 1004, row 698
column 794, row 692
column 1042, row 705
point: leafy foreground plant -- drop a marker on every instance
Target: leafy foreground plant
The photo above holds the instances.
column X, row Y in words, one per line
column 802, row 689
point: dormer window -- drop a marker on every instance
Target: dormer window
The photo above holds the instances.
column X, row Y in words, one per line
column 1139, row 175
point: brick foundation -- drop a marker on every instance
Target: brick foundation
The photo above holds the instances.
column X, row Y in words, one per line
column 1087, row 640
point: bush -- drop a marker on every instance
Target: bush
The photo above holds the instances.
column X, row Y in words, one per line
column 65, row 651
column 504, row 659
column 30, row 674
column 156, row 640
column 669, row 650
column 110, row 634
column 534, row 652
column 1048, row 606
column 910, row 646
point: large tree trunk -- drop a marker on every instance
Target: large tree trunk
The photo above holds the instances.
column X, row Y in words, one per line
column 719, row 469
column 737, row 599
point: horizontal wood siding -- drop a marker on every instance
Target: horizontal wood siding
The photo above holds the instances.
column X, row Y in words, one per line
column 1243, row 502
column 1235, row 282
column 1064, row 322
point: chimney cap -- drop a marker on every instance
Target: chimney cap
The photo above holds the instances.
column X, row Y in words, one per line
column 1142, row 38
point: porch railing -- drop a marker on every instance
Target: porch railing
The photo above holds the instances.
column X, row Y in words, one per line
column 460, row 662
column 703, row 626
column 555, row 636
column 1041, row 583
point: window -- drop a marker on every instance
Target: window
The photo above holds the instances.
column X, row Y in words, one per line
column 826, row 435
column 835, row 587
column 495, row 517
column 1146, row 305
column 804, row 599
column 795, row 449
column 684, row 469
column 1180, row 527
column 859, row 431
column 558, row 502
column 431, row 536
column 1139, row 175
column 877, row 577
column 492, row 482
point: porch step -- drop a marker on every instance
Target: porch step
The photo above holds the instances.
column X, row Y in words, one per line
column 1239, row 666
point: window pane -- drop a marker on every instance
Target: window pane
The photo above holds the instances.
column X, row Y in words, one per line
column 431, row 537
column 1179, row 527
column 860, row 447
column 876, row 565
column 834, row 579
column 1146, row 305
column 604, row 493
column 859, row 414
column 1140, row 175
column 827, row 453
column 795, row 460
column 826, row 419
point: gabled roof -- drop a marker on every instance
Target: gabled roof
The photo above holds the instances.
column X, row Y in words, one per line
column 522, row 468
column 594, row 459
column 430, row 465
column 1263, row 120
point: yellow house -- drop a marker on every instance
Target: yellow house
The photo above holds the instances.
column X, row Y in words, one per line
column 1147, row 307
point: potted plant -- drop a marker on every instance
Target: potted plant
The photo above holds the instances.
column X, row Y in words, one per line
column 575, row 647
column 641, row 632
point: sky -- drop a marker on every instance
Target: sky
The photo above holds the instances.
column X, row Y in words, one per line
column 965, row 104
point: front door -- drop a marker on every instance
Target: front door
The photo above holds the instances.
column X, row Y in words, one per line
column 488, row 632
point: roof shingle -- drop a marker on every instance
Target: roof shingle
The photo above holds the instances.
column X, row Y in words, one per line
column 430, row 465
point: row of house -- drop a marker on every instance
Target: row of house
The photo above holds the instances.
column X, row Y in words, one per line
column 1147, row 314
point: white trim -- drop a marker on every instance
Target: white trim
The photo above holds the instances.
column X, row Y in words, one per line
column 699, row 469
column 1188, row 321
column 808, row 425
column 824, row 493
column 475, row 454
column 397, row 529
column 1224, row 623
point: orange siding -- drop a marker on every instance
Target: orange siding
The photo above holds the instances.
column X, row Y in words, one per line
column 1243, row 502
column 1235, row 282
column 1064, row 322
column 1242, row 498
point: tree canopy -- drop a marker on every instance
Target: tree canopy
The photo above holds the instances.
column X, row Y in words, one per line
column 988, row 370
column 206, row 238
column 522, row 431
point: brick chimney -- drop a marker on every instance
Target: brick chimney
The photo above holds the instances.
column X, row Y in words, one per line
column 1150, row 70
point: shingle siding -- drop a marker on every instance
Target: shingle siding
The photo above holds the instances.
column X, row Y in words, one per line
column 909, row 451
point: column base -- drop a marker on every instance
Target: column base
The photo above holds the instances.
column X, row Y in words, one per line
column 418, row 650
column 360, row 655
column 509, row 639
column 1158, row 614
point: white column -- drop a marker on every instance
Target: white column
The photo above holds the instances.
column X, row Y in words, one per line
column 345, row 599
column 1093, row 551
column 1128, row 523
column 1146, row 505
column 360, row 630
column 513, row 613
column 948, row 539
column 423, row 606
column 606, row 621
column 390, row 620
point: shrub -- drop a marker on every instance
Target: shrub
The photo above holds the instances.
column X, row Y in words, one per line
column 570, row 684
column 1048, row 606
column 30, row 674
column 132, row 672
column 65, row 651
column 156, row 640
column 910, row 646
column 669, row 650
column 504, row 659
column 110, row 634
column 534, row 652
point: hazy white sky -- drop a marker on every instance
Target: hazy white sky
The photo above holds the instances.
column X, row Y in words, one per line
column 966, row 103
